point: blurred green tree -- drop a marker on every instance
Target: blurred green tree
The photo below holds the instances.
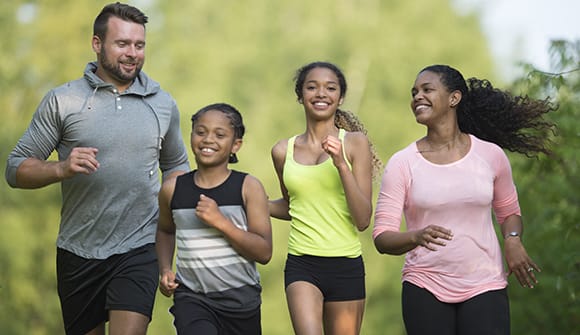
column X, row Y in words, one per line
column 550, row 201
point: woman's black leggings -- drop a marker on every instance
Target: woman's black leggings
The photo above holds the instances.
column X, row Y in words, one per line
column 484, row 314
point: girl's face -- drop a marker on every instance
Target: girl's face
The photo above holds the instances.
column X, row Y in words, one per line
column 431, row 100
column 321, row 93
column 212, row 139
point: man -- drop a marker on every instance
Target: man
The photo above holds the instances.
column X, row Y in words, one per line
column 113, row 129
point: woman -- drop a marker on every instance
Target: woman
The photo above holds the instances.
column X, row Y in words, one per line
column 447, row 184
column 325, row 177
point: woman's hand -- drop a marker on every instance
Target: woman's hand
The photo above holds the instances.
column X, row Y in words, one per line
column 519, row 263
column 333, row 147
column 432, row 236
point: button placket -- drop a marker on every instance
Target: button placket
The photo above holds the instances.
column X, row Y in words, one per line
column 117, row 99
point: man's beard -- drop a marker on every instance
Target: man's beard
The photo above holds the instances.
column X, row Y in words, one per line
column 115, row 71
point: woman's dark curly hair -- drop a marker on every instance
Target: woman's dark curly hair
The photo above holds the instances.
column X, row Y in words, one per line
column 515, row 123
column 342, row 119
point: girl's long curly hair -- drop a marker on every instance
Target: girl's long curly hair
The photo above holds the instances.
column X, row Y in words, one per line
column 515, row 123
column 342, row 119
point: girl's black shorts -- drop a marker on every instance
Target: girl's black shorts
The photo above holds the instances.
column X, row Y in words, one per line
column 194, row 316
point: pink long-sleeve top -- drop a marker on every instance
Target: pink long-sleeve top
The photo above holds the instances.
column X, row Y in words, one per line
column 459, row 196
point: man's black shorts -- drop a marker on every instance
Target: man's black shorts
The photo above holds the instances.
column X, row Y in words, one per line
column 89, row 288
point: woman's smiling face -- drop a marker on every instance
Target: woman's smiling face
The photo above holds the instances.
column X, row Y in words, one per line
column 431, row 99
column 321, row 94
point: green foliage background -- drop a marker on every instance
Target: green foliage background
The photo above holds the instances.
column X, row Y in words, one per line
column 245, row 53
column 548, row 190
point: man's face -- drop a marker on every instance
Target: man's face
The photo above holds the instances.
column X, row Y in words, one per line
column 121, row 54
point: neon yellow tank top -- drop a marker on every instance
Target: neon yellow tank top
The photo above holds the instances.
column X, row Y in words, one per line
column 321, row 222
